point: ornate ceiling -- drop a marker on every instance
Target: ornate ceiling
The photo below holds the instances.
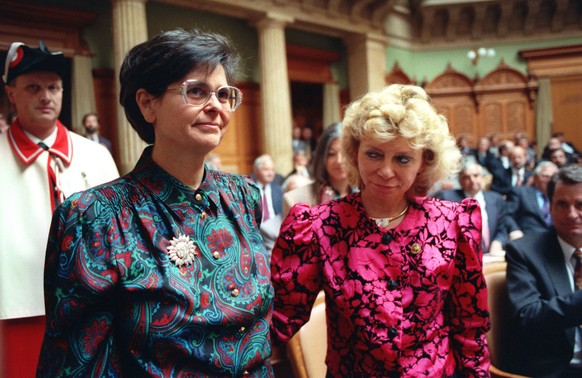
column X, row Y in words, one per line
column 415, row 23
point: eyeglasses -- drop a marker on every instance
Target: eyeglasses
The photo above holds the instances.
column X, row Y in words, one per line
column 198, row 93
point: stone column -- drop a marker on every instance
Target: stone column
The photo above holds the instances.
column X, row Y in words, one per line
column 331, row 104
column 83, row 92
column 275, row 92
column 366, row 63
column 129, row 29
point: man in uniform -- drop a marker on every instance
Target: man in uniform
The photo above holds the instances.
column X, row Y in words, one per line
column 41, row 163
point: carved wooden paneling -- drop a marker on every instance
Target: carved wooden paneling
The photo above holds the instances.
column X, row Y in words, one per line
column 502, row 102
column 492, row 117
column 452, row 95
column 397, row 76
column 510, row 94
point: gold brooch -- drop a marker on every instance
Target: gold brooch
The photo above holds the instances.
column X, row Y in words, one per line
column 415, row 249
column 182, row 250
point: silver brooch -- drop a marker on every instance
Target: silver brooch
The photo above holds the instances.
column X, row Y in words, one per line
column 182, row 250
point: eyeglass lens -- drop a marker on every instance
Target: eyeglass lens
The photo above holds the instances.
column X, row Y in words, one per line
column 198, row 93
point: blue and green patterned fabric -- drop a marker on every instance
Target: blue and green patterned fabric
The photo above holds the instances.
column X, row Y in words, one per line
column 146, row 277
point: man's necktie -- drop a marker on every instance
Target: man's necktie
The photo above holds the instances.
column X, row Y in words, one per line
column 266, row 214
column 578, row 269
column 519, row 180
column 546, row 210
column 53, row 172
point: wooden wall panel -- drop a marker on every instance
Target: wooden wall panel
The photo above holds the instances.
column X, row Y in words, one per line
column 452, row 95
column 242, row 142
column 567, row 107
column 499, row 103
column 563, row 66
column 106, row 105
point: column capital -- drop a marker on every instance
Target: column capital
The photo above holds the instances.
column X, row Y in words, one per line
column 273, row 19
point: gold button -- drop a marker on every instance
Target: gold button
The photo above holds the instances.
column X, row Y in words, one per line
column 235, row 293
column 415, row 248
column 216, row 255
column 203, row 216
column 198, row 197
column 246, row 270
column 242, row 329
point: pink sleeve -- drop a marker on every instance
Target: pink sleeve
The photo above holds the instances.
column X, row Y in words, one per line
column 469, row 311
column 296, row 272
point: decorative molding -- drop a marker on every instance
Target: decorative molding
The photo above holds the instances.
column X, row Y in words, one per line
column 554, row 61
column 60, row 28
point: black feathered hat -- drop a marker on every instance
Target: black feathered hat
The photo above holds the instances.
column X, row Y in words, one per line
column 21, row 59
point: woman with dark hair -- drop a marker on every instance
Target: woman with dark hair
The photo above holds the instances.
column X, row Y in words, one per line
column 329, row 177
column 163, row 271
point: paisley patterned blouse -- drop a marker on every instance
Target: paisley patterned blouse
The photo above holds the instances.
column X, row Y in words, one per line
column 119, row 306
column 407, row 302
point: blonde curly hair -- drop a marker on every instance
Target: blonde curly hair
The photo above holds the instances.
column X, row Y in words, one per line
column 401, row 111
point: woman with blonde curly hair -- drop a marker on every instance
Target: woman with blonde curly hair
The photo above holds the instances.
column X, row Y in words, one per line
column 402, row 272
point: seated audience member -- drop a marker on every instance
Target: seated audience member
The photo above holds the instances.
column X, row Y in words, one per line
column 494, row 142
column 298, row 143
column 300, row 164
column 529, row 205
column 482, row 154
column 293, row 182
column 330, row 180
column 503, row 161
column 531, row 159
column 544, row 277
column 493, row 208
column 463, row 144
column 553, row 144
column 278, row 179
column 568, row 147
column 271, row 197
column 558, row 157
column 505, row 179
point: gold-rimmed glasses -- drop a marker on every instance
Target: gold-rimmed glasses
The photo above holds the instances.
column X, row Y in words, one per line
column 198, row 93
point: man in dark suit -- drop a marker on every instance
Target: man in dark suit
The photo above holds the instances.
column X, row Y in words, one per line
column 542, row 272
column 483, row 155
column 493, row 207
column 92, row 125
column 505, row 179
column 529, row 205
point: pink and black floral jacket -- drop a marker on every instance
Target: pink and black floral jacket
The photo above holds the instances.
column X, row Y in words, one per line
column 408, row 302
